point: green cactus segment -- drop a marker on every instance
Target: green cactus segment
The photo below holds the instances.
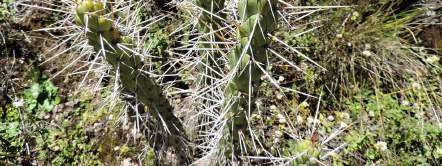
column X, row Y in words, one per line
column 114, row 47
column 258, row 18
column 210, row 17
column 209, row 21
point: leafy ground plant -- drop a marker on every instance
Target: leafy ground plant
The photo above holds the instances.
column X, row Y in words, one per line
column 42, row 96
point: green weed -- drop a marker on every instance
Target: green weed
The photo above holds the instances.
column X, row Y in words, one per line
column 5, row 11
column 41, row 97
column 391, row 132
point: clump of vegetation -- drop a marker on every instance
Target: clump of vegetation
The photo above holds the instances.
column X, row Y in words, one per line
column 5, row 12
column 42, row 96
column 366, row 45
column 79, row 133
column 29, row 137
column 390, row 130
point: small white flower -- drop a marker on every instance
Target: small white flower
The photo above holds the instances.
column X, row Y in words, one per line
column 279, row 96
column 304, row 104
column 381, row 145
column 405, row 103
column 281, row 78
column 263, row 77
column 127, row 162
column 258, row 103
column 430, row 13
column 356, row 14
column 367, row 46
column 275, row 140
column 311, row 120
column 370, row 113
column 438, row 151
column 299, row 119
column 343, row 125
column 432, row 59
column 420, row 115
column 366, row 53
column 278, row 134
column 415, row 85
column 281, row 119
column 345, row 115
column 18, row 103
column 273, row 108
column 330, row 118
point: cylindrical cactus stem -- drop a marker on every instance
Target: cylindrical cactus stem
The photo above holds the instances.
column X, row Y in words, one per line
column 210, row 16
column 107, row 40
column 209, row 22
column 258, row 18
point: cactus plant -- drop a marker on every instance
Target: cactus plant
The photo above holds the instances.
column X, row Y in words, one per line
column 210, row 21
column 257, row 20
column 108, row 41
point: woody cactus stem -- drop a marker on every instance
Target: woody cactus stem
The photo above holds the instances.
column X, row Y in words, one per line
column 210, row 21
column 107, row 40
column 258, row 18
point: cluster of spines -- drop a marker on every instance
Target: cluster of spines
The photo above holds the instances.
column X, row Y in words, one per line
column 210, row 22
